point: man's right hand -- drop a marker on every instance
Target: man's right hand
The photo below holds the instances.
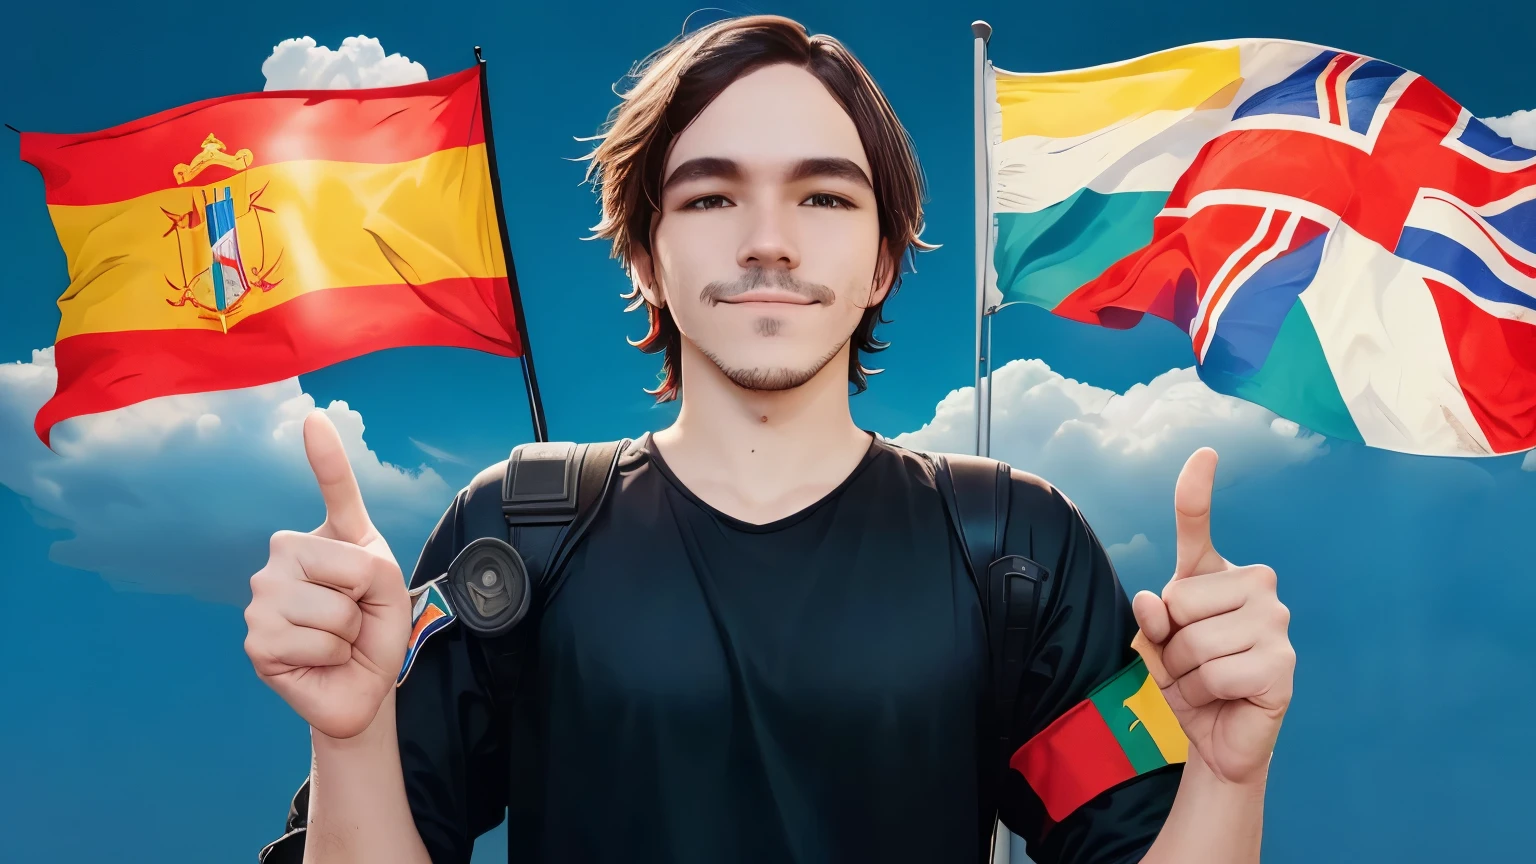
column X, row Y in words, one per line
column 330, row 615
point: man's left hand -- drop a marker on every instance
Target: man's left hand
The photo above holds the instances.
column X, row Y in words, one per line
column 1216, row 641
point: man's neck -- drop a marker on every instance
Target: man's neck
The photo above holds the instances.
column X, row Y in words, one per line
column 761, row 456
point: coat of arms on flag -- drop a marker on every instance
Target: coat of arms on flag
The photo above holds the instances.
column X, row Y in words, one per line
column 1344, row 243
column 212, row 276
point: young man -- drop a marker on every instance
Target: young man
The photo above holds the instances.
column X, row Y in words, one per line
column 767, row 647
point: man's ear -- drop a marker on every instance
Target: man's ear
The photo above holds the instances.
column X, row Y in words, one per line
column 643, row 274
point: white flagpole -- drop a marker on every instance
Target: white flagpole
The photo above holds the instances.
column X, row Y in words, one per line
column 982, row 31
column 1002, row 838
column 986, row 365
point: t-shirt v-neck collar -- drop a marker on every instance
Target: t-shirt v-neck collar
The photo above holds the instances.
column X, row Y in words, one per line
column 648, row 446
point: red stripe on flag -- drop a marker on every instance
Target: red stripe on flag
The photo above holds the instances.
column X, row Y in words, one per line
column 1372, row 192
column 1271, row 234
column 1072, row 761
column 377, row 126
column 1306, row 231
column 105, row 371
column 1160, row 278
column 1495, row 363
column 1336, row 67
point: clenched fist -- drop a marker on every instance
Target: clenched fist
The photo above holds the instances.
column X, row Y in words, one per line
column 329, row 615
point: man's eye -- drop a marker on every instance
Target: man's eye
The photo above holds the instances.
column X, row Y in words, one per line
column 827, row 199
column 708, row 202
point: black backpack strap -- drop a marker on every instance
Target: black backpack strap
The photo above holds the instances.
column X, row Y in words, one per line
column 977, row 492
column 550, row 496
column 550, row 493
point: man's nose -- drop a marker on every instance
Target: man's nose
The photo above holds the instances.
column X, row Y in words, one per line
column 769, row 241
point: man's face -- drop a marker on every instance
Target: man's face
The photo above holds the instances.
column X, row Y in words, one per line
column 766, row 245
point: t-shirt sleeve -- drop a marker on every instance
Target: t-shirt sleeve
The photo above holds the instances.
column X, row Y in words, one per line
column 1084, row 629
column 452, row 741
column 452, row 738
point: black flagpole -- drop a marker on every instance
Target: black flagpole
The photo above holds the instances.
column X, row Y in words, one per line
column 535, row 404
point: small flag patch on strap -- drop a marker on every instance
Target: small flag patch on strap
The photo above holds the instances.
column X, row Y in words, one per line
column 1122, row 730
column 430, row 613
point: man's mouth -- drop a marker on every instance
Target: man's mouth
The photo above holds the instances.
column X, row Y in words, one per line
column 770, row 296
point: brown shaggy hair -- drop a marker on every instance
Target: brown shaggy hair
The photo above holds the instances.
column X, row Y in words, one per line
column 673, row 85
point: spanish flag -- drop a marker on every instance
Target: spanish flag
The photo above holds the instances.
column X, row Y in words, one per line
column 246, row 239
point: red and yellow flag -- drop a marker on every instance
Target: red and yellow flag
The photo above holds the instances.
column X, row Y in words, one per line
column 247, row 239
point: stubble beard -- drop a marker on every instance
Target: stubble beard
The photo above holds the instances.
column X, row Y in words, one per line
column 774, row 378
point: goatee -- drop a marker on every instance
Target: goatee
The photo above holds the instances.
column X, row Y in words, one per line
column 772, row 378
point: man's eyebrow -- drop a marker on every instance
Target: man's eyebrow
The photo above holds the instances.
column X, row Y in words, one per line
column 834, row 167
column 702, row 168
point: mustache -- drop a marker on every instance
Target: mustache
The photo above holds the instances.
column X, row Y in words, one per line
column 761, row 277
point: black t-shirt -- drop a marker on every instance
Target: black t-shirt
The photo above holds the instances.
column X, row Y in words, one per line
column 809, row 690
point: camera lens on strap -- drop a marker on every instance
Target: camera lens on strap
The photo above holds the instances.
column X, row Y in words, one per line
column 488, row 586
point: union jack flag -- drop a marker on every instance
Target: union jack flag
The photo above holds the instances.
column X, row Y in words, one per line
column 1352, row 248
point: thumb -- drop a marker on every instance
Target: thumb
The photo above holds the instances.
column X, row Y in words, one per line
column 1152, row 617
column 1192, row 515
column 345, row 517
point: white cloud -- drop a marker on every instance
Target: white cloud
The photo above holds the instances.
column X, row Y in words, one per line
column 1519, row 127
column 1135, row 555
column 1529, row 464
column 1118, row 455
column 436, row 452
column 180, row 494
column 301, row 64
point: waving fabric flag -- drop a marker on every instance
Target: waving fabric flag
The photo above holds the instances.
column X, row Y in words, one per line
column 247, row 239
column 1344, row 243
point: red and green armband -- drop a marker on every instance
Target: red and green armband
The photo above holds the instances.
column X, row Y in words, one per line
column 1124, row 729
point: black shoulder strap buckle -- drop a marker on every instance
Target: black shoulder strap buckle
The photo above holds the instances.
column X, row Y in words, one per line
column 551, row 493
column 541, row 482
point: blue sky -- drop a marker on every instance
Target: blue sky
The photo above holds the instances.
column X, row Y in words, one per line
column 135, row 720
